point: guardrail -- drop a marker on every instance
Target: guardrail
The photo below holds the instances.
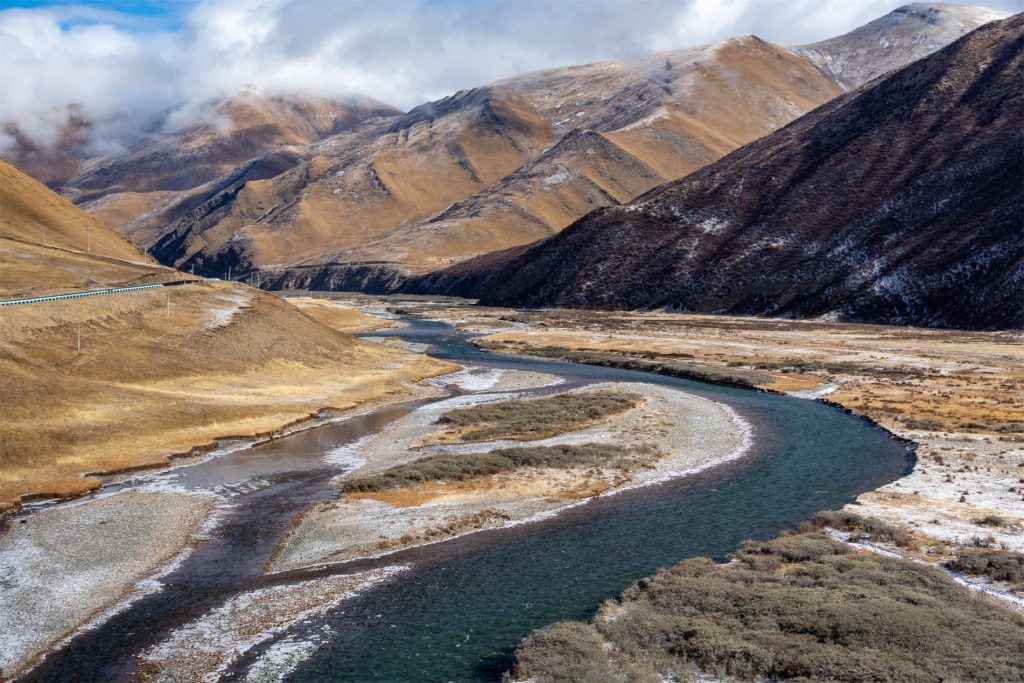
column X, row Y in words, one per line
column 96, row 292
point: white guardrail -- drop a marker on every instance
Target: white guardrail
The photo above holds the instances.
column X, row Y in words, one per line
column 96, row 292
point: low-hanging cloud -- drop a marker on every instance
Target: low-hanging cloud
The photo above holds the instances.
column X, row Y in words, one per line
column 121, row 74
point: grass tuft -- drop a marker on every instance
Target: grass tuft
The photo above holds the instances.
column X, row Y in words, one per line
column 453, row 467
column 537, row 418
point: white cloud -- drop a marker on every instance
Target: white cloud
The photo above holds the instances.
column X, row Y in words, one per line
column 122, row 72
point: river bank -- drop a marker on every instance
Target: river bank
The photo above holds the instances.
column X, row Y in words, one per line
column 159, row 374
column 954, row 395
column 684, row 433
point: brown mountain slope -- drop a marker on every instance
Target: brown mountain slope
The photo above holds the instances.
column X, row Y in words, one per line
column 128, row 379
column 900, row 203
column 218, row 138
column 48, row 245
column 499, row 165
column 899, row 38
column 517, row 160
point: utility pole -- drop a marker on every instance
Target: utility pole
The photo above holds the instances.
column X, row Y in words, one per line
column 168, row 304
column 78, row 344
column 88, row 238
column 229, row 273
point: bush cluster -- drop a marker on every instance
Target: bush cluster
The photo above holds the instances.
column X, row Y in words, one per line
column 1001, row 565
column 459, row 467
column 799, row 607
column 539, row 417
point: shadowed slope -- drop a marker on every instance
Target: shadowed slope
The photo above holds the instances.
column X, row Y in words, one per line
column 897, row 203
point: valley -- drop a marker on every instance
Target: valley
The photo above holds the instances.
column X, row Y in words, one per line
column 688, row 358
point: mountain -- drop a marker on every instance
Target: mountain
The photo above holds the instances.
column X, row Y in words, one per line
column 48, row 245
column 217, row 138
column 899, row 203
column 899, row 38
column 52, row 163
column 495, row 166
column 512, row 162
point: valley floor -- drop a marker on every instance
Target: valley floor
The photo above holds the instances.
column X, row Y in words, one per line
column 955, row 394
column 168, row 372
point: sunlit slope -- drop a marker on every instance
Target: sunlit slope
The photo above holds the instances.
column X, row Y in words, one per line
column 50, row 246
column 161, row 371
column 31, row 212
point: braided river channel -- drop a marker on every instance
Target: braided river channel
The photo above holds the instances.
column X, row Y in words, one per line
column 459, row 608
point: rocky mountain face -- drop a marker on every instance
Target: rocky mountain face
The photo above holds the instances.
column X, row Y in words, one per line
column 899, row 203
column 899, row 38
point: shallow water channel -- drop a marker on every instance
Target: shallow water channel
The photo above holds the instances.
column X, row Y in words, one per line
column 462, row 606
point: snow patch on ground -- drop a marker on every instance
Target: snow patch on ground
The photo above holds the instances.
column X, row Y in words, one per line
column 470, row 378
column 222, row 315
column 348, row 455
column 558, row 177
column 204, row 648
column 814, row 393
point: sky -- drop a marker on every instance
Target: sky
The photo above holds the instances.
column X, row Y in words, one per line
column 122, row 62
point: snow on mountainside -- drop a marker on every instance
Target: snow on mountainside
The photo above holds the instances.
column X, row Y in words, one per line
column 900, row 37
column 900, row 203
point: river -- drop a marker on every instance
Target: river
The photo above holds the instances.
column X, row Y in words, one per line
column 462, row 606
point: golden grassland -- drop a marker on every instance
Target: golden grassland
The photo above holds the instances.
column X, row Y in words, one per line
column 31, row 212
column 28, row 270
column 163, row 371
column 338, row 317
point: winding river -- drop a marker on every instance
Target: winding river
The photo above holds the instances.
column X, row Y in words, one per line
column 459, row 610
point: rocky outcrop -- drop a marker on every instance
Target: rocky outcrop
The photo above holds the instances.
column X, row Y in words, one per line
column 904, row 35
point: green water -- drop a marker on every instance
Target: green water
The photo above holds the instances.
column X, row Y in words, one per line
column 459, row 618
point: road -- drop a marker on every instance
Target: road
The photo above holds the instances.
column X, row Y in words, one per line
column 95, row 292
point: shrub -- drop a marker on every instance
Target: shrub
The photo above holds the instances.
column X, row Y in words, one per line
column 831, row 614
column 539, row 417
column 453, row 467
column 872, row 529
column 1001, row 565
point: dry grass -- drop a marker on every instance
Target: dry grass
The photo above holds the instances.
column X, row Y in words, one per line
column 339, row 317
column 550, row 485
column 32, row 212
column 225, row 361
column 800, row 607
column 538, row 418
column 453, row 467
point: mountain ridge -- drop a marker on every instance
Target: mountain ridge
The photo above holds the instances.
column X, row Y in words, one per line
column 885, row 205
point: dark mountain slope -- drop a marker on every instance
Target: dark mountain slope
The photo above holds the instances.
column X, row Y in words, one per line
column 900, row 203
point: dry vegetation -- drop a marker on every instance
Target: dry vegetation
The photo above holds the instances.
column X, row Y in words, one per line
column 338, row 317
column 954, row 393
column 800, row 607
column 50, row 246
column 163, row 371
column 462, row 467
column 538, row 418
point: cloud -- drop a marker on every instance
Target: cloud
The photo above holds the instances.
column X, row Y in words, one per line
column 123, row 70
